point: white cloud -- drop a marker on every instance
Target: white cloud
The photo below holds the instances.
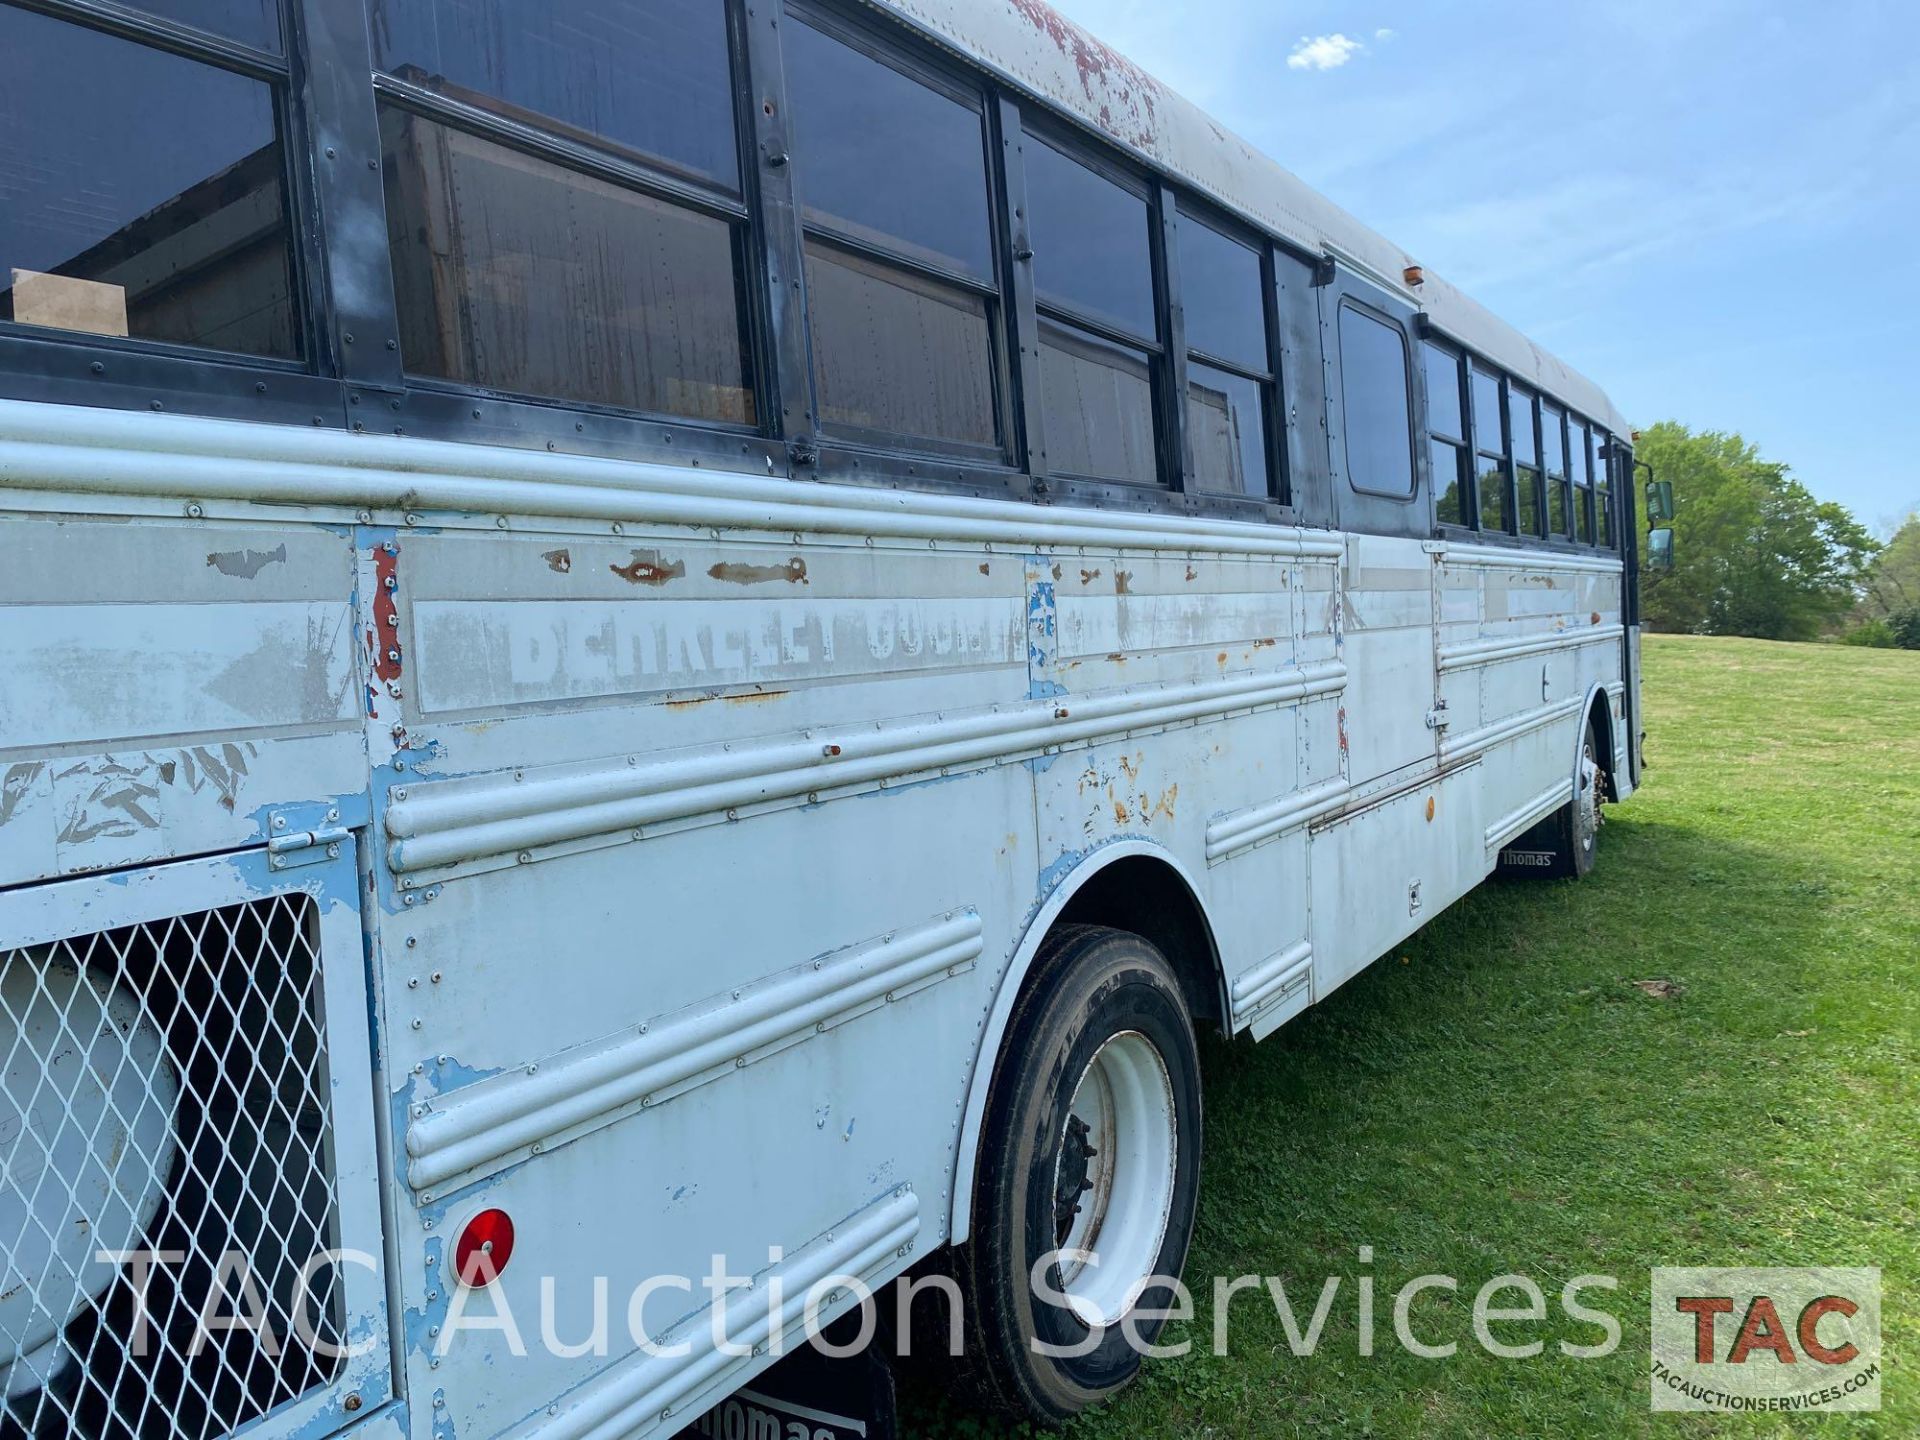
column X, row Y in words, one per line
column 1323, row 52
column 1384, row 34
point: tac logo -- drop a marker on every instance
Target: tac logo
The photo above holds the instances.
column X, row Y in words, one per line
column 1774, row 1341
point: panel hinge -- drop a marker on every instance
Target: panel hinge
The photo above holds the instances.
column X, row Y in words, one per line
column 1437, row 717
column 288, row 847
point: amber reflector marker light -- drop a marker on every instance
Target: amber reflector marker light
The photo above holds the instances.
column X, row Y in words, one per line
column 1414, row 275
column 484, row 1247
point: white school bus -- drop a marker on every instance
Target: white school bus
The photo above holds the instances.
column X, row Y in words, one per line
column 643, row 630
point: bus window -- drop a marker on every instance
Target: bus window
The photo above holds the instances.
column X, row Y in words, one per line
column 115, row 223
column 1099, row 336
column 649, row 78
column 251, row 22
column 518, row 272
column 1446, row 433
column 902, row 298
column 1553, row 440
column 1490, row 450
column 1375, row 405
column 1526, row 459
column 1229, row 374
column 1580, row 458
column 1603, row 491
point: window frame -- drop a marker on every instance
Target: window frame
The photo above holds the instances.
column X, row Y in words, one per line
column 1465, row 471
column 128, row 372
column 614, row 166
column 1191, row 208
column 1503, row 456
column 1040, row 125
column 917, row 454
column 1347, row 301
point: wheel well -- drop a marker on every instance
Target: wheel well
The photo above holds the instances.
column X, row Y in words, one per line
column 1148, row 897
column 1601, row 714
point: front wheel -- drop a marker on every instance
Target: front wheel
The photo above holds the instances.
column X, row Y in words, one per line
column 1089, row 1172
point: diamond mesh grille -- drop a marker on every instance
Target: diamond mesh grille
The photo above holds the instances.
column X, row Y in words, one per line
column 164, row 1090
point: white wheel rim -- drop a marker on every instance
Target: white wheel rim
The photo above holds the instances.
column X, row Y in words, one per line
column 1589, row 808
column 1125, row 1100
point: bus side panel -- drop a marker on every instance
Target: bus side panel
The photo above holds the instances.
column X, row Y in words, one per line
column 704, row 866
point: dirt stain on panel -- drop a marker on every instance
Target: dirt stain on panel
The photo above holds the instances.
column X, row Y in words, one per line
column 794, row 572
column 648, row 568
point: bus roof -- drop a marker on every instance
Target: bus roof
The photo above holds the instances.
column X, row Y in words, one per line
column 1040, row 51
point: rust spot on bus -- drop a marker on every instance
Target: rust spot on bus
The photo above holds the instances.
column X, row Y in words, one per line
column 559, row 561
column 1124, row 97
column 1087, row 577
column 794, row 572
column 1122, row 581
column 1263, row 644
column 386, row 619
column 1191, row 573
column 748, row 697
column 1594, row 619
column 647, row 568
column 986, row 568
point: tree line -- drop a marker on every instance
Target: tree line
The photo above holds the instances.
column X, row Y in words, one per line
column 1755, row 553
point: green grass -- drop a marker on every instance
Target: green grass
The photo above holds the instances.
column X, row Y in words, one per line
column 1499, row 1096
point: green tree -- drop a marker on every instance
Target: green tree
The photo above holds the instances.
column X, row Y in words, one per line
column 1754, row 552
column 1893, row 581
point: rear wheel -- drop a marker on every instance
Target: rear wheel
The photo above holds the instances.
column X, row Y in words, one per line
column 1089, row 1171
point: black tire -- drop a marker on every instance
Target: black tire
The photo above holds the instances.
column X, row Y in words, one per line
column 1089, row 985
column 1566, row 843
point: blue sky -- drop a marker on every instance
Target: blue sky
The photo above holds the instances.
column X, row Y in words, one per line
column 1711, row 207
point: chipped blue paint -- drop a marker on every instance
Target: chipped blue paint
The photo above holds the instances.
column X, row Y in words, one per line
column 1052, row 875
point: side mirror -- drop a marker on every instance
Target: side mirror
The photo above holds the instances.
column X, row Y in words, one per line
column 1659, row 501
column 1659, row 548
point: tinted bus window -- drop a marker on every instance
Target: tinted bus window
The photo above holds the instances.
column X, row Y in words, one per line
column 1578, row 459
column 1526, row 460
column 1553, row 441
column 1490, row 450
column 144, row 196
column 1375, row 403
column 522, row 274
column 515, row 274
column 1099, row 334
column 251, row 22
column 1229, row 370
column 1092, row 251
column 901, row 293
column 649, row 77
column 1096, row 405
column 1447, row 432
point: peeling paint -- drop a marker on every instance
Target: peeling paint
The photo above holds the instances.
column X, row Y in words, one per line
column 1107, row 78
column 14, row 786
column 794, row 572
column 558, row 561
column 385, row 641
column 648, row 568
column 245, row 564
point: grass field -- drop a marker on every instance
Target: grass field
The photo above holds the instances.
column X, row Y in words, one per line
column 1500, row 1096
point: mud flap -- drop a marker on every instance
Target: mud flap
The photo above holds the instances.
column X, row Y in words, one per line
column 820, row 1397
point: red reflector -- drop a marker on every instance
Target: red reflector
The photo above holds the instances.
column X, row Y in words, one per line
column 484, row 1247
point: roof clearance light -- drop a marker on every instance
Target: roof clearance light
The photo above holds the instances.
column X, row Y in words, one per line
column 1414, row 275
column 484, row 1247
